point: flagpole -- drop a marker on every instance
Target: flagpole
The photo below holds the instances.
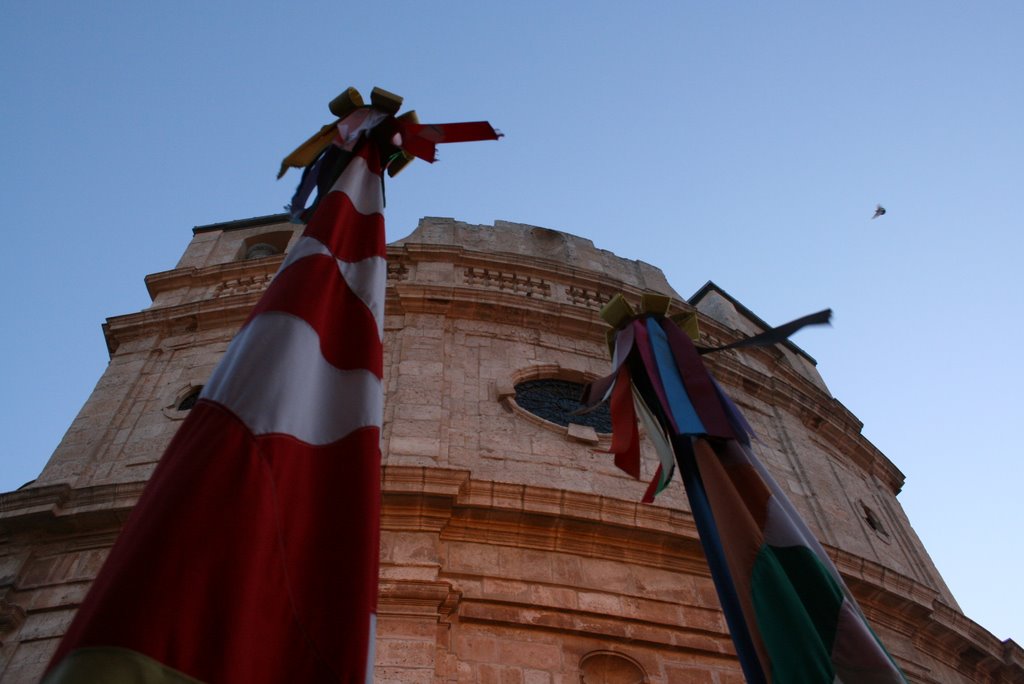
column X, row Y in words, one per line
column 253, row 553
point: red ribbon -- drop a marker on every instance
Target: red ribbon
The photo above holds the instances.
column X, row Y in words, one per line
column 421, row 140
column 625, row 434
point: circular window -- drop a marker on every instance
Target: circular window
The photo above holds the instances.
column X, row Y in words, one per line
column 556, row 400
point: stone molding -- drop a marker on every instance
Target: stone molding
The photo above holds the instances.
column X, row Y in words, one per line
column 255, row 270
column 462, row 509
column 635, row 632
column 62, row 508
column 226, row 312
column 457, row 508
column 417, row 598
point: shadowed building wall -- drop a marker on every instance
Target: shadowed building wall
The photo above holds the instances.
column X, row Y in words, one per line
column 511, row 551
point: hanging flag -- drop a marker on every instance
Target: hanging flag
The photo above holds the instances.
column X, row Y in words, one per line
column 790, row 615
column 252, row 554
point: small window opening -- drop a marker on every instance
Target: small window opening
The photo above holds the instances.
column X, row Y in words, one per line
column 261, row 250
column 264, row 245
column 872, row 519
column 190, row 399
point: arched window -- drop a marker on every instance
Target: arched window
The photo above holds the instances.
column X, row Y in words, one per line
column 605, row 667
column 261, row 250
column 264, row 245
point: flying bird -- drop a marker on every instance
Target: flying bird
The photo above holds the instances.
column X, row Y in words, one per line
column 879, row 211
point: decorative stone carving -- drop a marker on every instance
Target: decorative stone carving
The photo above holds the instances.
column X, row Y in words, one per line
column 527, row 286
column 243, row 285
column 397, row 272
column 581, row 296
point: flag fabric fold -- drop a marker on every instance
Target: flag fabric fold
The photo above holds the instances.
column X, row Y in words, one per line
column 791, row 617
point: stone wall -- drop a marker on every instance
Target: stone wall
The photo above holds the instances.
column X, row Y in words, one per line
column 513, row 551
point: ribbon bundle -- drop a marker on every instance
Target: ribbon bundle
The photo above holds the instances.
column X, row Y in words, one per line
column 401, row 138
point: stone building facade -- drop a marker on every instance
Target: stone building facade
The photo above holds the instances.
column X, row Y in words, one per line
column 512, row 551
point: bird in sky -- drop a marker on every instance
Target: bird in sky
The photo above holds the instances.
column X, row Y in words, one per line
column 879, row 211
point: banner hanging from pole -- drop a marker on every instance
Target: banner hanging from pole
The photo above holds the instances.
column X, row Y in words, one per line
column 252, row 555
column 790, row 615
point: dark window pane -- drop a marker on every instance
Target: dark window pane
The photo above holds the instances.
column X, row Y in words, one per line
column 555, row 400
column 189, row 401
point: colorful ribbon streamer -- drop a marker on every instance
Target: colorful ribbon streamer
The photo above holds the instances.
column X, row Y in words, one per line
column 326, row 153
column 790, row 616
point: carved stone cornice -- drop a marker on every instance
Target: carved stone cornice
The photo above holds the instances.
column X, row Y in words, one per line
column 506, row 288
column 227, row 312
column 498, row 307
column 535, row 267
column 710, row 644
column 969, row 648
column 257, row 270
column 451, row 504
column 417, row 598
column 63, row 509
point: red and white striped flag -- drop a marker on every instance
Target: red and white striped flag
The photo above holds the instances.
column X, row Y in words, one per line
column 252, row 555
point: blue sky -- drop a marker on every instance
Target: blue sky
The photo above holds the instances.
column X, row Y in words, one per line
column 741, row 142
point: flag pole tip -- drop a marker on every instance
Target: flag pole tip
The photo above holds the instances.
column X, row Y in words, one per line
column 385, row 101
column 349, row 101
column 616, row 312
column 653, row 303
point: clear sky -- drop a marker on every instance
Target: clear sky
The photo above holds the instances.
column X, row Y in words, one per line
column 741, row 142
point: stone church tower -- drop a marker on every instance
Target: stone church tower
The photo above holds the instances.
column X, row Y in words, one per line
column 511, row 552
